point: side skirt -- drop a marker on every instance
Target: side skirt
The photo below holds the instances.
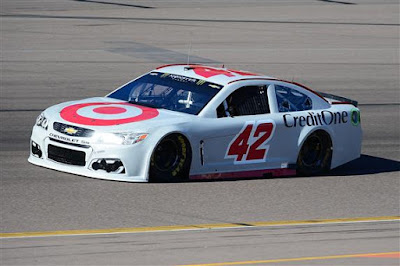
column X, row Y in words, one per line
column 246, row 174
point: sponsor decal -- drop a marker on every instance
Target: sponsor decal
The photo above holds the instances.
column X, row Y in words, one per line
column 250, row 145
column 183, row 158
column 316, row 119
column 208, row 72
column 182, row 78
column 355, row 117
column 67, row 139
column 107, row 113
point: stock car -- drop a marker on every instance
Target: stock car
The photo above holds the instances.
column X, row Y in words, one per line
column 181, row 122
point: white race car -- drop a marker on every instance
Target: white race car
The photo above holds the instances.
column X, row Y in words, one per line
column 181, row 122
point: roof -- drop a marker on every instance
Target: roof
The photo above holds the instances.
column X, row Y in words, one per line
column 222, row 76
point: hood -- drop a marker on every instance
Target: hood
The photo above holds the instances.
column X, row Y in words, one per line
column 113, row 115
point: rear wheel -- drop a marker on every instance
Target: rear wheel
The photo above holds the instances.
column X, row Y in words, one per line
column 170, row 160
column 315, row 155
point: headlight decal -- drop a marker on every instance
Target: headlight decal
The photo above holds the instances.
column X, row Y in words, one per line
column 42, row 121
column 119, row 138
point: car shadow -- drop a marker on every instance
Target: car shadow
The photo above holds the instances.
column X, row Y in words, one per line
column 365, row 165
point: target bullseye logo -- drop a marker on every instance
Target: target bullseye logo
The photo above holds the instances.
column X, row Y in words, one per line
column 109, row 110
column 107, row 113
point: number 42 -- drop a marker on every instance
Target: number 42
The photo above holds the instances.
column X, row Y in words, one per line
column 249, row 146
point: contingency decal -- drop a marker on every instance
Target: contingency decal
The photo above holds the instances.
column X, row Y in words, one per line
column 106, row 113
column 250, row 145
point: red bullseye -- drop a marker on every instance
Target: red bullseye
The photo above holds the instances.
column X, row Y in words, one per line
column 70, row 113
column 109, row 110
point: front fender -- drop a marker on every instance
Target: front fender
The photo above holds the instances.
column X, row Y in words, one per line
column 158, row 135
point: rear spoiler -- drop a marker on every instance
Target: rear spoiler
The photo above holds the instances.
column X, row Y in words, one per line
column 334, row 99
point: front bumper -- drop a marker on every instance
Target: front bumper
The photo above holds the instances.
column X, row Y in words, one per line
column 134, row 158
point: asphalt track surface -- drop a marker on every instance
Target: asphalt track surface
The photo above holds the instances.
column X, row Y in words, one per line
column 55, row 51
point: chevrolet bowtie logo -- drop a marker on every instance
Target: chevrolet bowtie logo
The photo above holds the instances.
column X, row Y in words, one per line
column 70, row 130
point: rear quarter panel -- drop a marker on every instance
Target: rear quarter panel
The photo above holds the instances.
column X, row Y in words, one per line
column 337, row 121
column 347, row 137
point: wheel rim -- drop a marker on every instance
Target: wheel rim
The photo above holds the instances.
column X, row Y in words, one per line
column 166, row 155
column 313, row 152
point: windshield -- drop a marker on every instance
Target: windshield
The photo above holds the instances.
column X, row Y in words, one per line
column 168, row 91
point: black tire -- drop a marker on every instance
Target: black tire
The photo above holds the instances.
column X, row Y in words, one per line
column 315, row 155
column 170, row 161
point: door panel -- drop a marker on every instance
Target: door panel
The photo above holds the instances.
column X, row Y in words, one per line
column 244, row 137
column 242, row 143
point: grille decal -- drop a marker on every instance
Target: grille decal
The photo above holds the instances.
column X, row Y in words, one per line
column 72, row 130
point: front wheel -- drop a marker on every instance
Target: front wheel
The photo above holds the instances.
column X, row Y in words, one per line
column 315, row 155
column 170, row 160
